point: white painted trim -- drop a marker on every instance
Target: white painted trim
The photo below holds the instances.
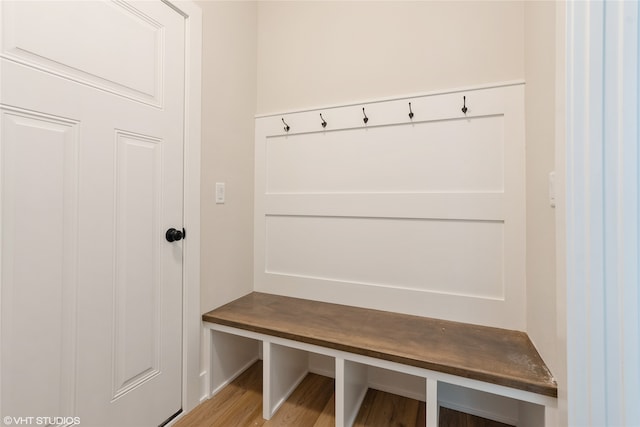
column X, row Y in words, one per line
column 191, row 324
column 433, row 409
column 397, row 98
column 397, row 388
column 204, row 395
column 504, row 308
column 351, row 387
column 478, row 412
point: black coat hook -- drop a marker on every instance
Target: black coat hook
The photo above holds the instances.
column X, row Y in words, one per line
column 324, row 122
column 286, row 126
column 410, row 112
column 464, row 105
column 366, row 119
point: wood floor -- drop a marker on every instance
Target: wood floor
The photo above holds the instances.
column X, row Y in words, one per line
column 312, row 405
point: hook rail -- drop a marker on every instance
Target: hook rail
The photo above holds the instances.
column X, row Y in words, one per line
column 365, row 118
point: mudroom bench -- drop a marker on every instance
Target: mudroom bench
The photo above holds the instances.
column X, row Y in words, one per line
column 284, row 330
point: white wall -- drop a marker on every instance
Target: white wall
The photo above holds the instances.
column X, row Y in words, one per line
column 228, row 108
column 544, row 61
column 540, row 134
column 561, row 213
column 318, row 53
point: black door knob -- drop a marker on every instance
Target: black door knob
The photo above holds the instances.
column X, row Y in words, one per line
column 174, row 235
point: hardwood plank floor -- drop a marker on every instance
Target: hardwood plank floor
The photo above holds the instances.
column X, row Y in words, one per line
column 211, row 412
column 451, row 418
column 328, row 416
column 385, row 409
column 312, row 404
column 304, row 406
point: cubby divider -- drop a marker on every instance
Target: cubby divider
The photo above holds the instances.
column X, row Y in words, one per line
column 284, row 368
column 351, row 387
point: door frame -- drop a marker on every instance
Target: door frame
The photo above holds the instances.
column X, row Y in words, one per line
column 601, row 231
column 191, row 322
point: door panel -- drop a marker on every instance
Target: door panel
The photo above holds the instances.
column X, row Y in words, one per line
column 137, row 231
column 91, row 176
column 133, row 53
column 39, row 248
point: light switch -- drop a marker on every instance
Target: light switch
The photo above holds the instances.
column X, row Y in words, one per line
column 220, row 192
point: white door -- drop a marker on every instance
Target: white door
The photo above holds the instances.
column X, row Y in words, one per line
column 91, row 177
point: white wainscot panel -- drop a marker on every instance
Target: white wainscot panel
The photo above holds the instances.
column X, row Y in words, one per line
column 458, row 155
column 444, row 256
column 75, row 48
column 39, row 263
column 137, row 288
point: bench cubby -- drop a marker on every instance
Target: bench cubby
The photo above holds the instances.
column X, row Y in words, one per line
column 434, row 352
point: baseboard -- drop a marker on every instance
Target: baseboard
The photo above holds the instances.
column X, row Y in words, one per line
column 388, row 388
column 322, row 372
column 483, row 413
column 322, row 365
column 404, row 385
column 204, row 393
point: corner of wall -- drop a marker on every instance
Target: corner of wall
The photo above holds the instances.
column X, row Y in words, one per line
column 560, row 219
column 228, row 110
column 540, row 139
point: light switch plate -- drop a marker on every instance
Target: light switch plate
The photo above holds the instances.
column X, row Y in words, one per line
column 552, row 189
column 220, row 192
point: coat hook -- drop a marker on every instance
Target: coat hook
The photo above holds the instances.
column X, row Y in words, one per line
column 324, row 122
column 410, row 112
column 366, row 119
column 464, row 105
column 286, row 126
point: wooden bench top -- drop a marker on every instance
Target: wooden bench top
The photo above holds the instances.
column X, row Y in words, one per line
column 492, row 355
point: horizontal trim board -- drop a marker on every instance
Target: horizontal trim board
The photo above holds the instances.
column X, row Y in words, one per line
column 441, row 109
column 453, row 206
column 364, row 287
column 344, row 125
column 407, row 97
column 486, row 311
